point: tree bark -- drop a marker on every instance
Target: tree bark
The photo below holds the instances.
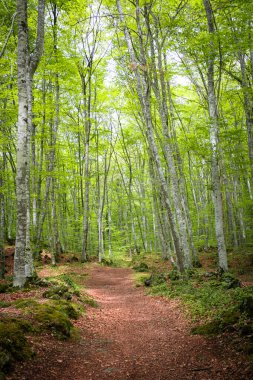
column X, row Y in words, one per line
column 22, row 159
column 214, row 130
column 27, row 65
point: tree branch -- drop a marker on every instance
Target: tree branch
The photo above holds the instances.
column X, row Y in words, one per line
column 9, row 34
column 35, row 57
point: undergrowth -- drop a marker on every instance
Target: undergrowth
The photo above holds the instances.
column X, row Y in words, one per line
column 64, row 301
column 213, row 305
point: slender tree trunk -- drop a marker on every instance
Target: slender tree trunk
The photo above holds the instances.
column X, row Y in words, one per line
column 248, row 108
column 86, row 208
column 214, row 130
column 29, row 268
column 22, row 159
column 2, row 216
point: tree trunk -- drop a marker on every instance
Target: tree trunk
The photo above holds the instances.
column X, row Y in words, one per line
column 22, row 159
column 2, row 217
column 214, row 130
column 27, row 65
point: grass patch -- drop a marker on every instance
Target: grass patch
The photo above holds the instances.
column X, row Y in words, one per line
column 141, row 267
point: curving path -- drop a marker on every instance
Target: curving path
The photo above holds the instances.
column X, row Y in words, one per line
column 133, row 336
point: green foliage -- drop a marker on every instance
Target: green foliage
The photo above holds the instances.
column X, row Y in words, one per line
column 217, row 301
column 229, row 281
column 107, row 262
column 71, row 283
column 156, row 279
column 174, row 275
column 13, row 343
column 142, row 267
column 203, row 298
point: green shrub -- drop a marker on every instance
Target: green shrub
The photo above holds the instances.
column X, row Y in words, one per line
column 142, row 267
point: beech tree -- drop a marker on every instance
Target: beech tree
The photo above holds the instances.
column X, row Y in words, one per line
column 27, row 65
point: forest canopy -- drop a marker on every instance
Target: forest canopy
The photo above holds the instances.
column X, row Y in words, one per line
column 126, row 126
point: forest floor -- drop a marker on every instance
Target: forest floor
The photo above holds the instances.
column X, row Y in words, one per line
column 130, row 336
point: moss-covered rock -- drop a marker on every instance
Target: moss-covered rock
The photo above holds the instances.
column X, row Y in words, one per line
column 70, row 309
column 58, row 292
column 13, row 344
column 51, row 318
column 25, row 303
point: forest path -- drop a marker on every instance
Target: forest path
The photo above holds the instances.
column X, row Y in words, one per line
column 136, row 336
column 131, row 336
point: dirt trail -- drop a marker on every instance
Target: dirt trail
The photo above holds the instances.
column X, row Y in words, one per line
column 134, row 336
